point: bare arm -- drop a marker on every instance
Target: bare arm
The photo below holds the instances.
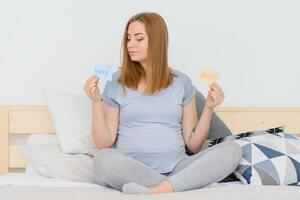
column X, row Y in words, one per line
column 195, row 133
column 104, row 118
column 104, row 124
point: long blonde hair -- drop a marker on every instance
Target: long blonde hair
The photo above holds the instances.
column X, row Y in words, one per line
column 159, row 74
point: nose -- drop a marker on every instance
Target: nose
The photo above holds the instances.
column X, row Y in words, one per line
column 131, row 43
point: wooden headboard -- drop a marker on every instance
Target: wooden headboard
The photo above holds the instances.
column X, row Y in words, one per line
column 37, row 119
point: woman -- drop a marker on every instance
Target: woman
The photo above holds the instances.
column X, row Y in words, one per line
column 148, row 111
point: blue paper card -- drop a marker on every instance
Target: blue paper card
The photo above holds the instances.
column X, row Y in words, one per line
column 103, row 71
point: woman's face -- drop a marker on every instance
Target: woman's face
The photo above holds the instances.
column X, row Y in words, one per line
column 137, row 42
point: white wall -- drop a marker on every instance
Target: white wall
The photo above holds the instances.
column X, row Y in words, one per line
column 255, row 45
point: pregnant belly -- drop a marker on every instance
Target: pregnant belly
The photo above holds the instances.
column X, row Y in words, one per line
column 157, row 139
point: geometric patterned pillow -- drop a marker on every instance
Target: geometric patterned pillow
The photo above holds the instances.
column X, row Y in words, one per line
column 270, row 159
column 212, row 142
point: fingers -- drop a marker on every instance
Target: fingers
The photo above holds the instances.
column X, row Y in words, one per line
column 218, row 97
column 214, row 86
column 91, row 85
column 93, row 89
column 92, row 77
column 214, row 96
column 93, row 80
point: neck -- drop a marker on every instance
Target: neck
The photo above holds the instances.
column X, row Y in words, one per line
column 144, row 65
column 145, row 68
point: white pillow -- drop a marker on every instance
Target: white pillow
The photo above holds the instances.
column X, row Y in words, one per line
column 72, row 118
column 39, row 138
column 50, row 161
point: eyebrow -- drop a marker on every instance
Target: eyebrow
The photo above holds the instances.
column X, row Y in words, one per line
column 136, row 34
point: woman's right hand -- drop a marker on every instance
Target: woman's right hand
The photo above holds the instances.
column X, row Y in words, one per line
column 91, row 88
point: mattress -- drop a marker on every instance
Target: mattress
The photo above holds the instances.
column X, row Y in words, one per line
column 24, row 179
column 23, row 186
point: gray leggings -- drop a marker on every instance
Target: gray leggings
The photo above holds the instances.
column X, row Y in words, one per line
column 114, row 168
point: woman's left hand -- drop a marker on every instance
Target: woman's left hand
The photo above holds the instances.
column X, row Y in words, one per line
column 215, row 96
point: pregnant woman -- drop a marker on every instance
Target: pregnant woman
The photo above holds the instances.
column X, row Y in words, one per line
column 146, row 116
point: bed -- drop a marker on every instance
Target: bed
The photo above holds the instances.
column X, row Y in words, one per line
column 25, row 120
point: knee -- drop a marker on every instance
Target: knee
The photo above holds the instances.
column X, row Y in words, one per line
column 103, row 154
column 104, row 157
column 103, row 160
column 234, row 152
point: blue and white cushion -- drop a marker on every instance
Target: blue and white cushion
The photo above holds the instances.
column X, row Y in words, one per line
column 270, row 159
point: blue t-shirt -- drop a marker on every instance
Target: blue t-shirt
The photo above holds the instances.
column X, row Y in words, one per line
column 150, row 128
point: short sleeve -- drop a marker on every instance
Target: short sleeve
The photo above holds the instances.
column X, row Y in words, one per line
column 109, row 94
column 189, row 91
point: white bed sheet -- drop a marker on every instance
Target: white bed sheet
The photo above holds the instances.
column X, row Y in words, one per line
column 23, row 179
column 23, row 186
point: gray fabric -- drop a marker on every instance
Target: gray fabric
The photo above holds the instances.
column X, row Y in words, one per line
column 133, row 188
column 217, row 128
column 206, row 167
column 115, row 168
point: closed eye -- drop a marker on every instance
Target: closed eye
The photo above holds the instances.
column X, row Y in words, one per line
column 140, row 39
